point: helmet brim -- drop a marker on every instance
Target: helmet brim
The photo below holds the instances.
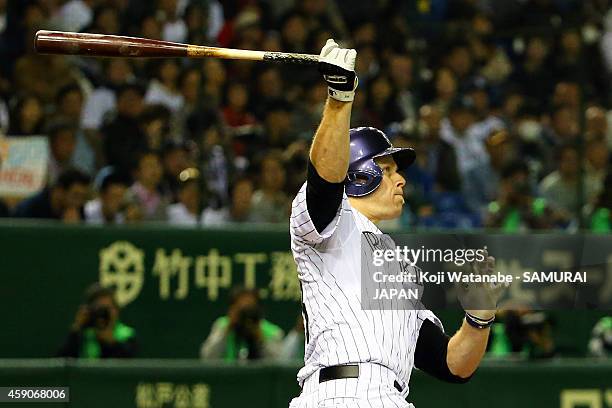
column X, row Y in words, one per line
column 403, row 156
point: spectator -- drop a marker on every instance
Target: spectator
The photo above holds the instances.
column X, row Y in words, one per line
column 191, row 89
column 215, row 165
column 64, row 200
column 239, row 209
column 111, row 205
column 436, row 164
column 175, row 158
column 516, row 208
column 478, row 93
column 102, row 102
column 155, row 124
column 294, row 33
column 195, row 23
column 75, row 15
column 97, row 331
column 501, row 151
column 445, row 85
column 534, row 143
column 105, row 20
column 524, row 331
column 62, row 144
column 150, row 27
column 534, row 84
column 27, row 116
column 460, row 61
column 4, row 110
column 235, row 112
column 278, row 125
column 269, row 202
column 596, row 123
column 567, row 93
column 146, row 189
column 560, row 188
column 69, row 101
column 381, row 107
column 122, row 136
column 269, row 88
column 187, row 211
column 174, row 28
column 400, row 72
column 215, row 78
column 296, row 160
column 597, row 157
column 3, row 15
column 243, row 334
column 467, row 138
column 43, row 75
column 532, row 74
column 606, row 42
column 309, row 110
column 600, row 344
column 164, row 88
column 601, row 216
column 292, row 348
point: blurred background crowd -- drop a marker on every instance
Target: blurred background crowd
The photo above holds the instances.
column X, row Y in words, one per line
column 506, row 102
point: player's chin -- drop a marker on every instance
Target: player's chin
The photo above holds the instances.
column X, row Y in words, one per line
column 395, row 209
column 391, row 215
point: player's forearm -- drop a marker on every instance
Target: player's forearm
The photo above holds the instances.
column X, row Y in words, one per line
column 466, row 349
column 330, row 148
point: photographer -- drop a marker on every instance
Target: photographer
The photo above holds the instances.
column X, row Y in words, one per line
column 243, row 334
column 96, row 331
column 517, row 208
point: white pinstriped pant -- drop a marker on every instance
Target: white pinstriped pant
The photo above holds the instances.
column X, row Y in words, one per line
column 373, row 389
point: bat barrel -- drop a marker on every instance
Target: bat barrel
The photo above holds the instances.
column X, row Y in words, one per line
column 99, row 45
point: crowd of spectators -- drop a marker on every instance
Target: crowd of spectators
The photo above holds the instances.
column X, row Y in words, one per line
column 507, row 104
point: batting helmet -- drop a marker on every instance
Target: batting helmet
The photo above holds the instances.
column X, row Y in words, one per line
column 364, row 175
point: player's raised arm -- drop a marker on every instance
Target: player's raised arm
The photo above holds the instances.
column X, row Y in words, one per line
column 329, row 154
column 330, row 148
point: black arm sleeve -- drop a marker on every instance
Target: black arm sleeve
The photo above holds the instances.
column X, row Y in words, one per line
column 430, row 354
column 322, row 198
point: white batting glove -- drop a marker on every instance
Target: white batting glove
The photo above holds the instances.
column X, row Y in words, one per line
column 480, row 300
column 338, row 68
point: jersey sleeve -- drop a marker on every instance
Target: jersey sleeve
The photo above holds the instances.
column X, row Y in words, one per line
column 301, row 223
column 429, row 315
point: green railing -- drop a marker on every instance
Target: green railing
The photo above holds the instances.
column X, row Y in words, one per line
column 186, row 383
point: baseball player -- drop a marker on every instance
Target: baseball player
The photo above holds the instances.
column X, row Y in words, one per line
column 355, row 357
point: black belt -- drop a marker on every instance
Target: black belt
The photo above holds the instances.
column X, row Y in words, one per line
column 344, row 371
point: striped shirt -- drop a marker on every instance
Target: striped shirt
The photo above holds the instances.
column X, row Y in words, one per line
column 338, row 330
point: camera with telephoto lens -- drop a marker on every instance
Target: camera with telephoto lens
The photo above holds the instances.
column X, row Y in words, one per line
column 99, row 316
column 248, row 319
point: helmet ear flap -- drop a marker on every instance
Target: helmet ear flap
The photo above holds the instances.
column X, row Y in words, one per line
column 361, row 182
column 360, row 178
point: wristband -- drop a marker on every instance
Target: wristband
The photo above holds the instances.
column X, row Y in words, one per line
column 477, row 322
column 342, row 96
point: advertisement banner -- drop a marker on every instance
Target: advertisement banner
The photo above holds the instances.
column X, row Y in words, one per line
column 23, row 165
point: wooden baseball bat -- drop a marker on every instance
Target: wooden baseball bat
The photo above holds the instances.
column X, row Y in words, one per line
column 100, row 45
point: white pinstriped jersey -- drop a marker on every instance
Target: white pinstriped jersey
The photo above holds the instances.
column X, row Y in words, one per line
column 338, row 331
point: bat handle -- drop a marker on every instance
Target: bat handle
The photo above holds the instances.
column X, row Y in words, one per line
column 291, row 58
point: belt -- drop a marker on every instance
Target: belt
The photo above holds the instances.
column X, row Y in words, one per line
column 344, row 371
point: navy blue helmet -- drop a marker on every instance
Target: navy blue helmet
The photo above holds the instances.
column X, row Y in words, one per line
column 364, row 175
